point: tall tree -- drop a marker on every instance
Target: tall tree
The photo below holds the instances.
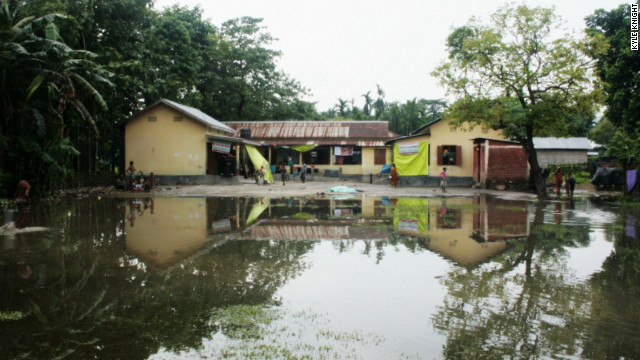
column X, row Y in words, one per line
column 342, row 106
column 240, row 79
column 368, row 101
column 379, row 104
column 618, row 66
column 515, row 75
column 42, row 79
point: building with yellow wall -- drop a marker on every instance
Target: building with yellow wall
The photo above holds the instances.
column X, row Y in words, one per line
column 420, row 157
column 349, row 149
column 180, row 144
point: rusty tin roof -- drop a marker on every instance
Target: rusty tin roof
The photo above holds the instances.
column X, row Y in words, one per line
column 360, row 133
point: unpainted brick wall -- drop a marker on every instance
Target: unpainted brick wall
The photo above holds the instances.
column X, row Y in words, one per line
column 507, row 163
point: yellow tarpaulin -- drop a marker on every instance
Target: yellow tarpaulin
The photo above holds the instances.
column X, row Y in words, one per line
column 411, row 216
column 302, row 148
column 411, row 158
column 258, row 160
column 257, row 209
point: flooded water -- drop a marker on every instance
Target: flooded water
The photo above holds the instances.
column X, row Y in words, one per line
column 321, row 278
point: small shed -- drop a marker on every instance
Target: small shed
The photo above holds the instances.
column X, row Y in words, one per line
column 498, row 162
column 556, row 151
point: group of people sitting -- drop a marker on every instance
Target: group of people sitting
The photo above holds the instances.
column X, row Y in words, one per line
column 133, row 182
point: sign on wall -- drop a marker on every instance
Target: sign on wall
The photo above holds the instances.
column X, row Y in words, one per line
column 221, row 147
column 409, row 148
column 343, row 151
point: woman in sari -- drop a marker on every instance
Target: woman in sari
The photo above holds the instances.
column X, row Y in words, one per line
column 394, row 176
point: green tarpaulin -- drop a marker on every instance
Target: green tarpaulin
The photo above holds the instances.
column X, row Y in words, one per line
column 411, row 158
column 258, row 160
column 302, row 148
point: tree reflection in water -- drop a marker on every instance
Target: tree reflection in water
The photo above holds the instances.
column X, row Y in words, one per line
column 129, row 278
column 526, row 303
column 94, row 298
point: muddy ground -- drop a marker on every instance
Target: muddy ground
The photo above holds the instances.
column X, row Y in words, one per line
column 314, row 188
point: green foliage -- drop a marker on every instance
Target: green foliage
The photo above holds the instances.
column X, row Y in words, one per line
column 603, row 132
column 403, row 118
column 63, row 63
column 515, row 75
column 618, row 67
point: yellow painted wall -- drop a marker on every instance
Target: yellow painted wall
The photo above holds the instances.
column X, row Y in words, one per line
column 457, row 244
column 176, row 230
column 166, row 147
column 442, row 134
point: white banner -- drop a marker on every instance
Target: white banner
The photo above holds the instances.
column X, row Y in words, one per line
column 221, row 147
column 409, row 148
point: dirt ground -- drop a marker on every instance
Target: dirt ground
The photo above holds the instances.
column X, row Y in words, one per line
column 321, row 186
column 296, row 188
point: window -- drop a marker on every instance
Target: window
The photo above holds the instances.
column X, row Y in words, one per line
column 449, row 155
column 380, row 156
column 449, row 218
column 347, row 155
column 177, row 118
column 152, row 119
column 320, row 155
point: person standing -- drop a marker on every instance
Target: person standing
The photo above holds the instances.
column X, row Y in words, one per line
column 290, row 163
column 570, row 182
column 22, row 199
column 394, row 176
column 131, row 175
column 283, row 172
column 443, row 180
column 303, row 172
column 557, row 174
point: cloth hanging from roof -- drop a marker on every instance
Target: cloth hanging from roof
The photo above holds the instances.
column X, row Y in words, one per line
column 632, row 178
column 411, row 163
column 257, row 209
column 258, row 160
column 630, row 226
column 302, row 148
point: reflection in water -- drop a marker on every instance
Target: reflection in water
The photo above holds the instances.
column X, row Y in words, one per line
column 454, row 278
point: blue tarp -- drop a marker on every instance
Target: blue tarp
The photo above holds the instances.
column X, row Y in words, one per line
column 342, row 189
column 386, row 169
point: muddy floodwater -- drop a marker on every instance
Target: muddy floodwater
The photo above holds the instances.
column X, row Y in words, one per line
column 344, row 277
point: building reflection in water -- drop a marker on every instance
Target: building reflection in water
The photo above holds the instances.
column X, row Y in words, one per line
column 468, row 231
column 163, row 232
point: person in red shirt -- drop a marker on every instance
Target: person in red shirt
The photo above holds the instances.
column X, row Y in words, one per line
column 558, row 174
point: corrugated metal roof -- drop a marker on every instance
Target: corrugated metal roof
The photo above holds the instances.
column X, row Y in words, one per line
column 234, row 140
column 191, row 112
column 553, row 143
column 198, row 115
column 271, row 131
column 423, row 127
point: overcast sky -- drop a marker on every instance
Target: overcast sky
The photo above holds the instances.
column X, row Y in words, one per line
column 343, row 48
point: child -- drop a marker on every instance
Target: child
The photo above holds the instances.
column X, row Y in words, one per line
column 443, row 180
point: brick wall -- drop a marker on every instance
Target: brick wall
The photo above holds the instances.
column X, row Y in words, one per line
column 507, row 163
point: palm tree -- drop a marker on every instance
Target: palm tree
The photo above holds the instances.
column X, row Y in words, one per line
column 379, row 104
column 342, row 107
column 366, row 109
column 40, row 77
